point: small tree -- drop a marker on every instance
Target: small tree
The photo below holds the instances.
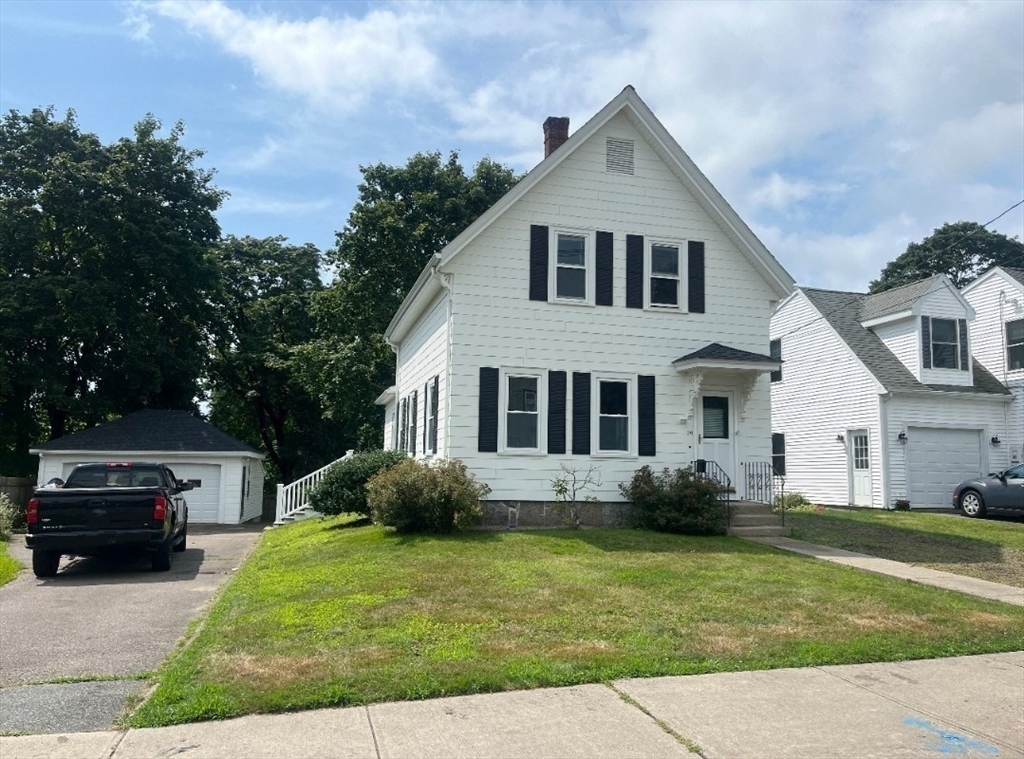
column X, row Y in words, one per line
column 343, row 487
column 569, row 488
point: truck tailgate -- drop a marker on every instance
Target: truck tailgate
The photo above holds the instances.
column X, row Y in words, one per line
column 97, row 510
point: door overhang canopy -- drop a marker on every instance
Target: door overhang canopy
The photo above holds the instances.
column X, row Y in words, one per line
column 739, row 366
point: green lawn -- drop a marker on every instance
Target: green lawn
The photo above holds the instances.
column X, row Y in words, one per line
column 985, row 548
column 9, row 568
column 328, row 614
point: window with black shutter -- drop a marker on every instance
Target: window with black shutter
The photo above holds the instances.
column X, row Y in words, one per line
column 580, row 413
column 775, row 351
column 646, row 443
column 779, row 453
column 695, row 277
column 487, row 417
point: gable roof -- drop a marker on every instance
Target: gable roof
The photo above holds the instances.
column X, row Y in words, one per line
column 653, row 131
column 151, row 430
column 896, row 300
column 1014, row 277
column 1017, row 274
column 843, row 312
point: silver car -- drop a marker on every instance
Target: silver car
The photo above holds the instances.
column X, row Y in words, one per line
column 998, row 492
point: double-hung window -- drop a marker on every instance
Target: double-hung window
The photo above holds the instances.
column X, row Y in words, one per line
column 1015, row 345
column 614, row 412
column 431, row 417
column 779, row 453
column 775, row 352
column 945, row 344
column 403, row 423
column 571, row 266
column 522, row 412
column 664, row 275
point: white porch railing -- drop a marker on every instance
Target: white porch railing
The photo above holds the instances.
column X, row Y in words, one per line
column 293, row 498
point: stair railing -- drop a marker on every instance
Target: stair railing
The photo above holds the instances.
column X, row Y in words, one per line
column 764, row 485
column 712, row 472
column 294, row 497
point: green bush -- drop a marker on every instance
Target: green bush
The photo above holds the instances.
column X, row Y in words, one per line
column 676, row 501
column 343, row 487
column 791, row 502
column 8, row 512
column 418, row 497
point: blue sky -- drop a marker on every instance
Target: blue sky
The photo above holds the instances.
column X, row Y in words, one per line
column 840, row 132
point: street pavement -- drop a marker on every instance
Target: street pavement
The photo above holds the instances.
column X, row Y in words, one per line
column 966, row 707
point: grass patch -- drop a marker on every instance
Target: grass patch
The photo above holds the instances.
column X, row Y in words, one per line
column 987, row 549
column 9, row 568
column 322, row 616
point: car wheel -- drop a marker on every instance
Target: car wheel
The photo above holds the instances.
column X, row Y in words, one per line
column 182, row 544
column 972, row 504
column 45, row 563
column 162, row 558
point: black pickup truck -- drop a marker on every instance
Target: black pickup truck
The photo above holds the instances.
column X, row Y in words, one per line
column 104, row 506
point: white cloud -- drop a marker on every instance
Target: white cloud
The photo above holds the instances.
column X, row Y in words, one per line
column 780, row 194
column 137, row 22
column 243, row 201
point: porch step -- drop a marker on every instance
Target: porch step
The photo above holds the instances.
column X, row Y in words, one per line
column 298, row 516
column 749, row 519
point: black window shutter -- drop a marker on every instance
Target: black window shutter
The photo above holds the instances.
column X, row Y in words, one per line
column 965, row 359
column 556, row 412
column 437, row 413
column 581, row 413
column 645, row 416
column 605, row 269
column 695, row 277
column 538, row 262
column 487, row 428
column 634, row 271
column 412, row 425
column 426, row 417
column 926, row 342
column 775, row 351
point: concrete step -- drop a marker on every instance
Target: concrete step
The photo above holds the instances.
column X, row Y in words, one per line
column 749, row 507
column 777, row 531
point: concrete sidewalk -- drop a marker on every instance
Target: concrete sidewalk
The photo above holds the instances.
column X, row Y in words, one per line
column 969, row 585
column 965, row 707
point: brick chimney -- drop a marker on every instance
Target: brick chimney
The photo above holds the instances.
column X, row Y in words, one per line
column 556, row 132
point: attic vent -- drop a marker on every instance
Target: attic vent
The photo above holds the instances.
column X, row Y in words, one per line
column 619, row 156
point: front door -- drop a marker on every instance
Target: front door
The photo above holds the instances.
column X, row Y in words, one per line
column 715, row 441
column 860, row 469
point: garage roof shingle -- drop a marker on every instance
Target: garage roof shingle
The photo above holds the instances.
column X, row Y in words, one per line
column 151, row 430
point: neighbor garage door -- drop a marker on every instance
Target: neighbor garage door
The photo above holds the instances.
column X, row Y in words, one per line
column 938, row 459
column 204, row 499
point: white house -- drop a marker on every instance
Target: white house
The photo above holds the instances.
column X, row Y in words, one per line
column 997, row 335
column 880, row 397
column 611, row 311
column 227, row 475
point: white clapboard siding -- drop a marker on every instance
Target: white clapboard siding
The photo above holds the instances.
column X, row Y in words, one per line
column 422, row 356
column 494, row 324
column 903, row 338
column 825, row 392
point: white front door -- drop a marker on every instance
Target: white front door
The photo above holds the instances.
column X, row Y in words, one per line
column 715, row 441
column 860, row 468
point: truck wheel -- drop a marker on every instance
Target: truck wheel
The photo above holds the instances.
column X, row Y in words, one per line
column 45, row 563
column 162, row 558
column 180, row 546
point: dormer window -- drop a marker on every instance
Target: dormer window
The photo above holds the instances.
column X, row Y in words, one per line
column 945, row 344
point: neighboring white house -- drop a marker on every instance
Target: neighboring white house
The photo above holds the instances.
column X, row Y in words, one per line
column 611, row 310
column 227, row 474
column 880, row 397
column 997, row 335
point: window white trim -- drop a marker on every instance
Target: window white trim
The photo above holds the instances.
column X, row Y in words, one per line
column 956, row 345
column 681, row 251
column 589, row 267
column 432, row 407
column 596, row 378
column 1015, row 345
column 541, row 375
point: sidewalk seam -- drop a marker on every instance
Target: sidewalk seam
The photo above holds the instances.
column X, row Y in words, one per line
column 373, row 733
column 113, row 749
column 918, row 710
column 683, row 741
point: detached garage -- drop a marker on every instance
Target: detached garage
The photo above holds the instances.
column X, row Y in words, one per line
column 227, row 474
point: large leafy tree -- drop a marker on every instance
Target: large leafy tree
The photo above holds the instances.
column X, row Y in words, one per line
column 105, row 273
column 403, row 216
column 961, row 251
column 263, row 320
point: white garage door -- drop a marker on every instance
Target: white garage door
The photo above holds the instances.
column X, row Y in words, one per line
column 204, row 499
column 937, row 460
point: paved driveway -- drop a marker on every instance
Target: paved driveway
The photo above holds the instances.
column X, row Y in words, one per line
column 107, row 617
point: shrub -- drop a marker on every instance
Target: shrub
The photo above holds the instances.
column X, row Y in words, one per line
column 902, row 504
column 8, row 512
column 343, row 487
column 417, row 497
column 676, row 501
column 790, row 502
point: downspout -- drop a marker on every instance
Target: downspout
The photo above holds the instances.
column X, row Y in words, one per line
column 448, row 283
column 883, row 421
